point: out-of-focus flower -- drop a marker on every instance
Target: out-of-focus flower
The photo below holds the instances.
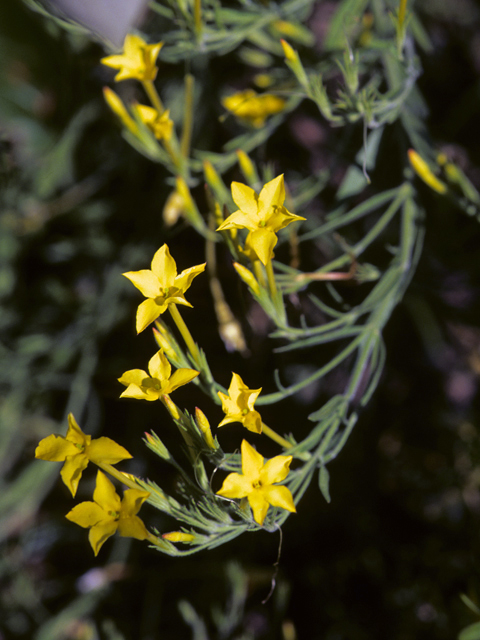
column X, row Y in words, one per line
column 159, row 124
column 253, row 108
column 137, row 60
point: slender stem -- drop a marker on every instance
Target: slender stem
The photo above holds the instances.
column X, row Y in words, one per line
column 270, row 433
column 186, row 335
column 188, row 117
column 118, row 475
column 271, row 280
column 197, row 16
column 401, row 12
column 153, row 96
column 257, row 267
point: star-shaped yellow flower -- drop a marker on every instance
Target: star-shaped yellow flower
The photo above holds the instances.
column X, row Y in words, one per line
column 238, row 405
column 262, row 214
column 137, row 60
column 256, row 482
column 253, row 108
column 108, row 514
column 161, row 286
column 159, row 383
column 160, row 125
column 77, row 450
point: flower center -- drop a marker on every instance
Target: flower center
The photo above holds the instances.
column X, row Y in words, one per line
column 244, row 412
column 262, row 224
column 114, row 514
column 79, row 446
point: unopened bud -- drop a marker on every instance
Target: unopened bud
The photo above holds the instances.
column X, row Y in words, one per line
column 247, row 276
column 204, row 426
column 178, row 536
column 422, row 169
column 173, row 209
column 290, row 53
column 116, row 105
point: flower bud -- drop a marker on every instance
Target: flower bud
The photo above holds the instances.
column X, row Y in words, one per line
column 422, row 169
column 204, row 427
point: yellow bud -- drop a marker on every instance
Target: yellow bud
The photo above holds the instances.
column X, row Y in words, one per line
column 290, row 53
column 204, row 426
column 161, row 338
column 211, row 175
column 116, row 105
column 178, row 536
column 172, row 408
column 247, row 166
column 247, row 276
column 422, row 169
column 263, row 80
column 173, row 209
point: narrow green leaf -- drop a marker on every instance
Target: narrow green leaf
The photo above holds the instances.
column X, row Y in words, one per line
column 324, row 482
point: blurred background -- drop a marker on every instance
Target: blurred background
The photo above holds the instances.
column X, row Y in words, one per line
column 391, row 554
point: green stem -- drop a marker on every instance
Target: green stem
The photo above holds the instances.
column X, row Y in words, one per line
column 118, row 475
column 271, row 280
column 273, row 435
column 188, row 117
column 186, row 335
column 197, row 17
column 153, row 96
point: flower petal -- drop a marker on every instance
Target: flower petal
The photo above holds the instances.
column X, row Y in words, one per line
column 181, row 377
column 164, row 267
column 145, row 281
column 253, row 422
column 100, row 533
column 159, row 367
column 107, row 451
column 280, row 218
column 55, row 448
column 147, row 312
column 239, row 220
column 75, row 434
column 133, row 391
column 134, row 376
column 132, row 502
column 185, row 279
column 87, row 514
column 252, row 462
column 132, row 527
column 72, row 470
column 235, row 486
column 105, row 494
column 245, row 198
column 275, row 470
column 272, row 194
column 259, row 506
column 279, row 496
column 262, row 242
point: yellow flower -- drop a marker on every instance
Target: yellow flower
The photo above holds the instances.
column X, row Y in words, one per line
column 77, row 450
column 159, row 124
column 256, row 482
column 253, row 108
column 238, row 405
column 159, row 383
column 137, row 60
column 262, row 214
column 108, row 514
column 161, row 286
